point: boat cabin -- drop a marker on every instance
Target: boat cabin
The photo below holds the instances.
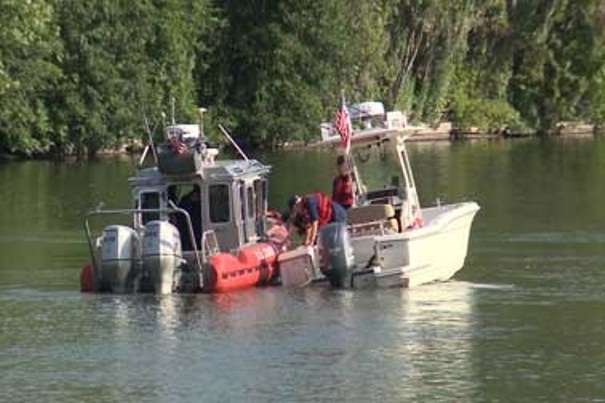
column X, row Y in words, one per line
column 228, row 197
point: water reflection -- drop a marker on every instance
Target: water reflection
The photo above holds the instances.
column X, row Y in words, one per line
column 270, row 343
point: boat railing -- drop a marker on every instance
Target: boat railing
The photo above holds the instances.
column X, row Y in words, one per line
column 379, row 227
column 209, row 245
column 170, row 210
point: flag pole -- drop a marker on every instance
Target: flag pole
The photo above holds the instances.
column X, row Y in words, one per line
column 358, row 186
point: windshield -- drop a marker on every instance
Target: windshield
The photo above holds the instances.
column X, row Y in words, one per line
column 378, row 168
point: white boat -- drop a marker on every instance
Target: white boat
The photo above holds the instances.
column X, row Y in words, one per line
column 389, row 239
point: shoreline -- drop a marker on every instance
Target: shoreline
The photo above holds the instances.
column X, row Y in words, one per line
column 132, row 149
column 437, row 136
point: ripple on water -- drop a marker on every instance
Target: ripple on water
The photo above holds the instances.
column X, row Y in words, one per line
column 267, row 344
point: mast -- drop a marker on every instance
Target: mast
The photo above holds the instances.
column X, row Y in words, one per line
column 202, row 111
column 346, row 138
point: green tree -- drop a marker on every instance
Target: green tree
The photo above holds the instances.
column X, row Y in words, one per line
column 79, row 76
column 29, row 52
column 122, row 59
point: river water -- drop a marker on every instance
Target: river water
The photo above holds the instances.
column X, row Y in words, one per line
column 524, row 320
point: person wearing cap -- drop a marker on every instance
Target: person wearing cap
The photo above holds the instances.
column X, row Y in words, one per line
column 311, row 212
column 342, row 186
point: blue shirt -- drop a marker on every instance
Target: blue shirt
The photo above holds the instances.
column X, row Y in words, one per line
column 338, row 212
column 312, row 207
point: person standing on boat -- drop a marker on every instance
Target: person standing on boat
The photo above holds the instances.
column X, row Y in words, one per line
column 342, row 186
column 311, row 212
column 191, row 203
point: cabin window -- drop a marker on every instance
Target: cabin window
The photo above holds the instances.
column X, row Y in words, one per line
column 218, row 203
column 242, row 200
column 172, row 194
column 250, row 200
column 183, row 194
column 260, row 191
column 150, row 200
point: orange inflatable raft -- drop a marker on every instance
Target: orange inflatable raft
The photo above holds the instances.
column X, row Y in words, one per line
column 253, row 265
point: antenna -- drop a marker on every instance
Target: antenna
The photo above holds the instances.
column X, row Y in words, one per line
column 226, row 133
column 150, row 138
column 202, row 111
column 172, row 106
column 164, row 123
column 149, row 142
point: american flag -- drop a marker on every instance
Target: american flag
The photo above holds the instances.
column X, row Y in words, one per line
column 177, row 145
column 342, row 124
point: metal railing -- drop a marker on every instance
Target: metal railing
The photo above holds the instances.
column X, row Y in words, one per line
column 377, row 227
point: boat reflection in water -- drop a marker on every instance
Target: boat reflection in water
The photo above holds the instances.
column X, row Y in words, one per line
column 396, row 345
column 273, row 343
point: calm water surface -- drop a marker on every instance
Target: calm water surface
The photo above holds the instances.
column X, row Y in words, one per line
column 524, row 320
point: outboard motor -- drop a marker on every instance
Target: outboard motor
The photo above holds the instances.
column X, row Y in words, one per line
column 120, row 248
column 162, row 256
column 336, row 259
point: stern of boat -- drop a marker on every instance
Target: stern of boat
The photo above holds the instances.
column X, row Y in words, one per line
column 434, row 252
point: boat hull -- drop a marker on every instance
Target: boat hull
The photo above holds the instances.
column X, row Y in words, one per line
column 253, row 265
column 435, row 252
column 432, row 253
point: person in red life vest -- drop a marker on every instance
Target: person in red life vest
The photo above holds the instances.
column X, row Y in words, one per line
column 342, row 186
column 311, row 212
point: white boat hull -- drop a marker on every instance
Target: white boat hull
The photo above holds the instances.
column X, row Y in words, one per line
column 432, row 253
column 429, row 254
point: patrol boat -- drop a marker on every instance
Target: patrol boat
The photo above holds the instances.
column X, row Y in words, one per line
column 198, row 223
column 389, row 239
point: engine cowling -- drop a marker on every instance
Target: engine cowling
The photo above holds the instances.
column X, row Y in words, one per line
column 336, row 259
column 161, row 255
column 120, row 250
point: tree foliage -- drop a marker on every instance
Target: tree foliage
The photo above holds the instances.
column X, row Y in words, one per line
column 79, row 76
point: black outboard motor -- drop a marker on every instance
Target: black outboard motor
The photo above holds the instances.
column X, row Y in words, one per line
column 336, row 259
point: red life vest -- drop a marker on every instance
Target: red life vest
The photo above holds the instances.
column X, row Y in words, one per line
column 417, row 222
column 342, row 191
column 324, row 209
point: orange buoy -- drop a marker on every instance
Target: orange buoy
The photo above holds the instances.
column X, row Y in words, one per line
column 86, row 279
